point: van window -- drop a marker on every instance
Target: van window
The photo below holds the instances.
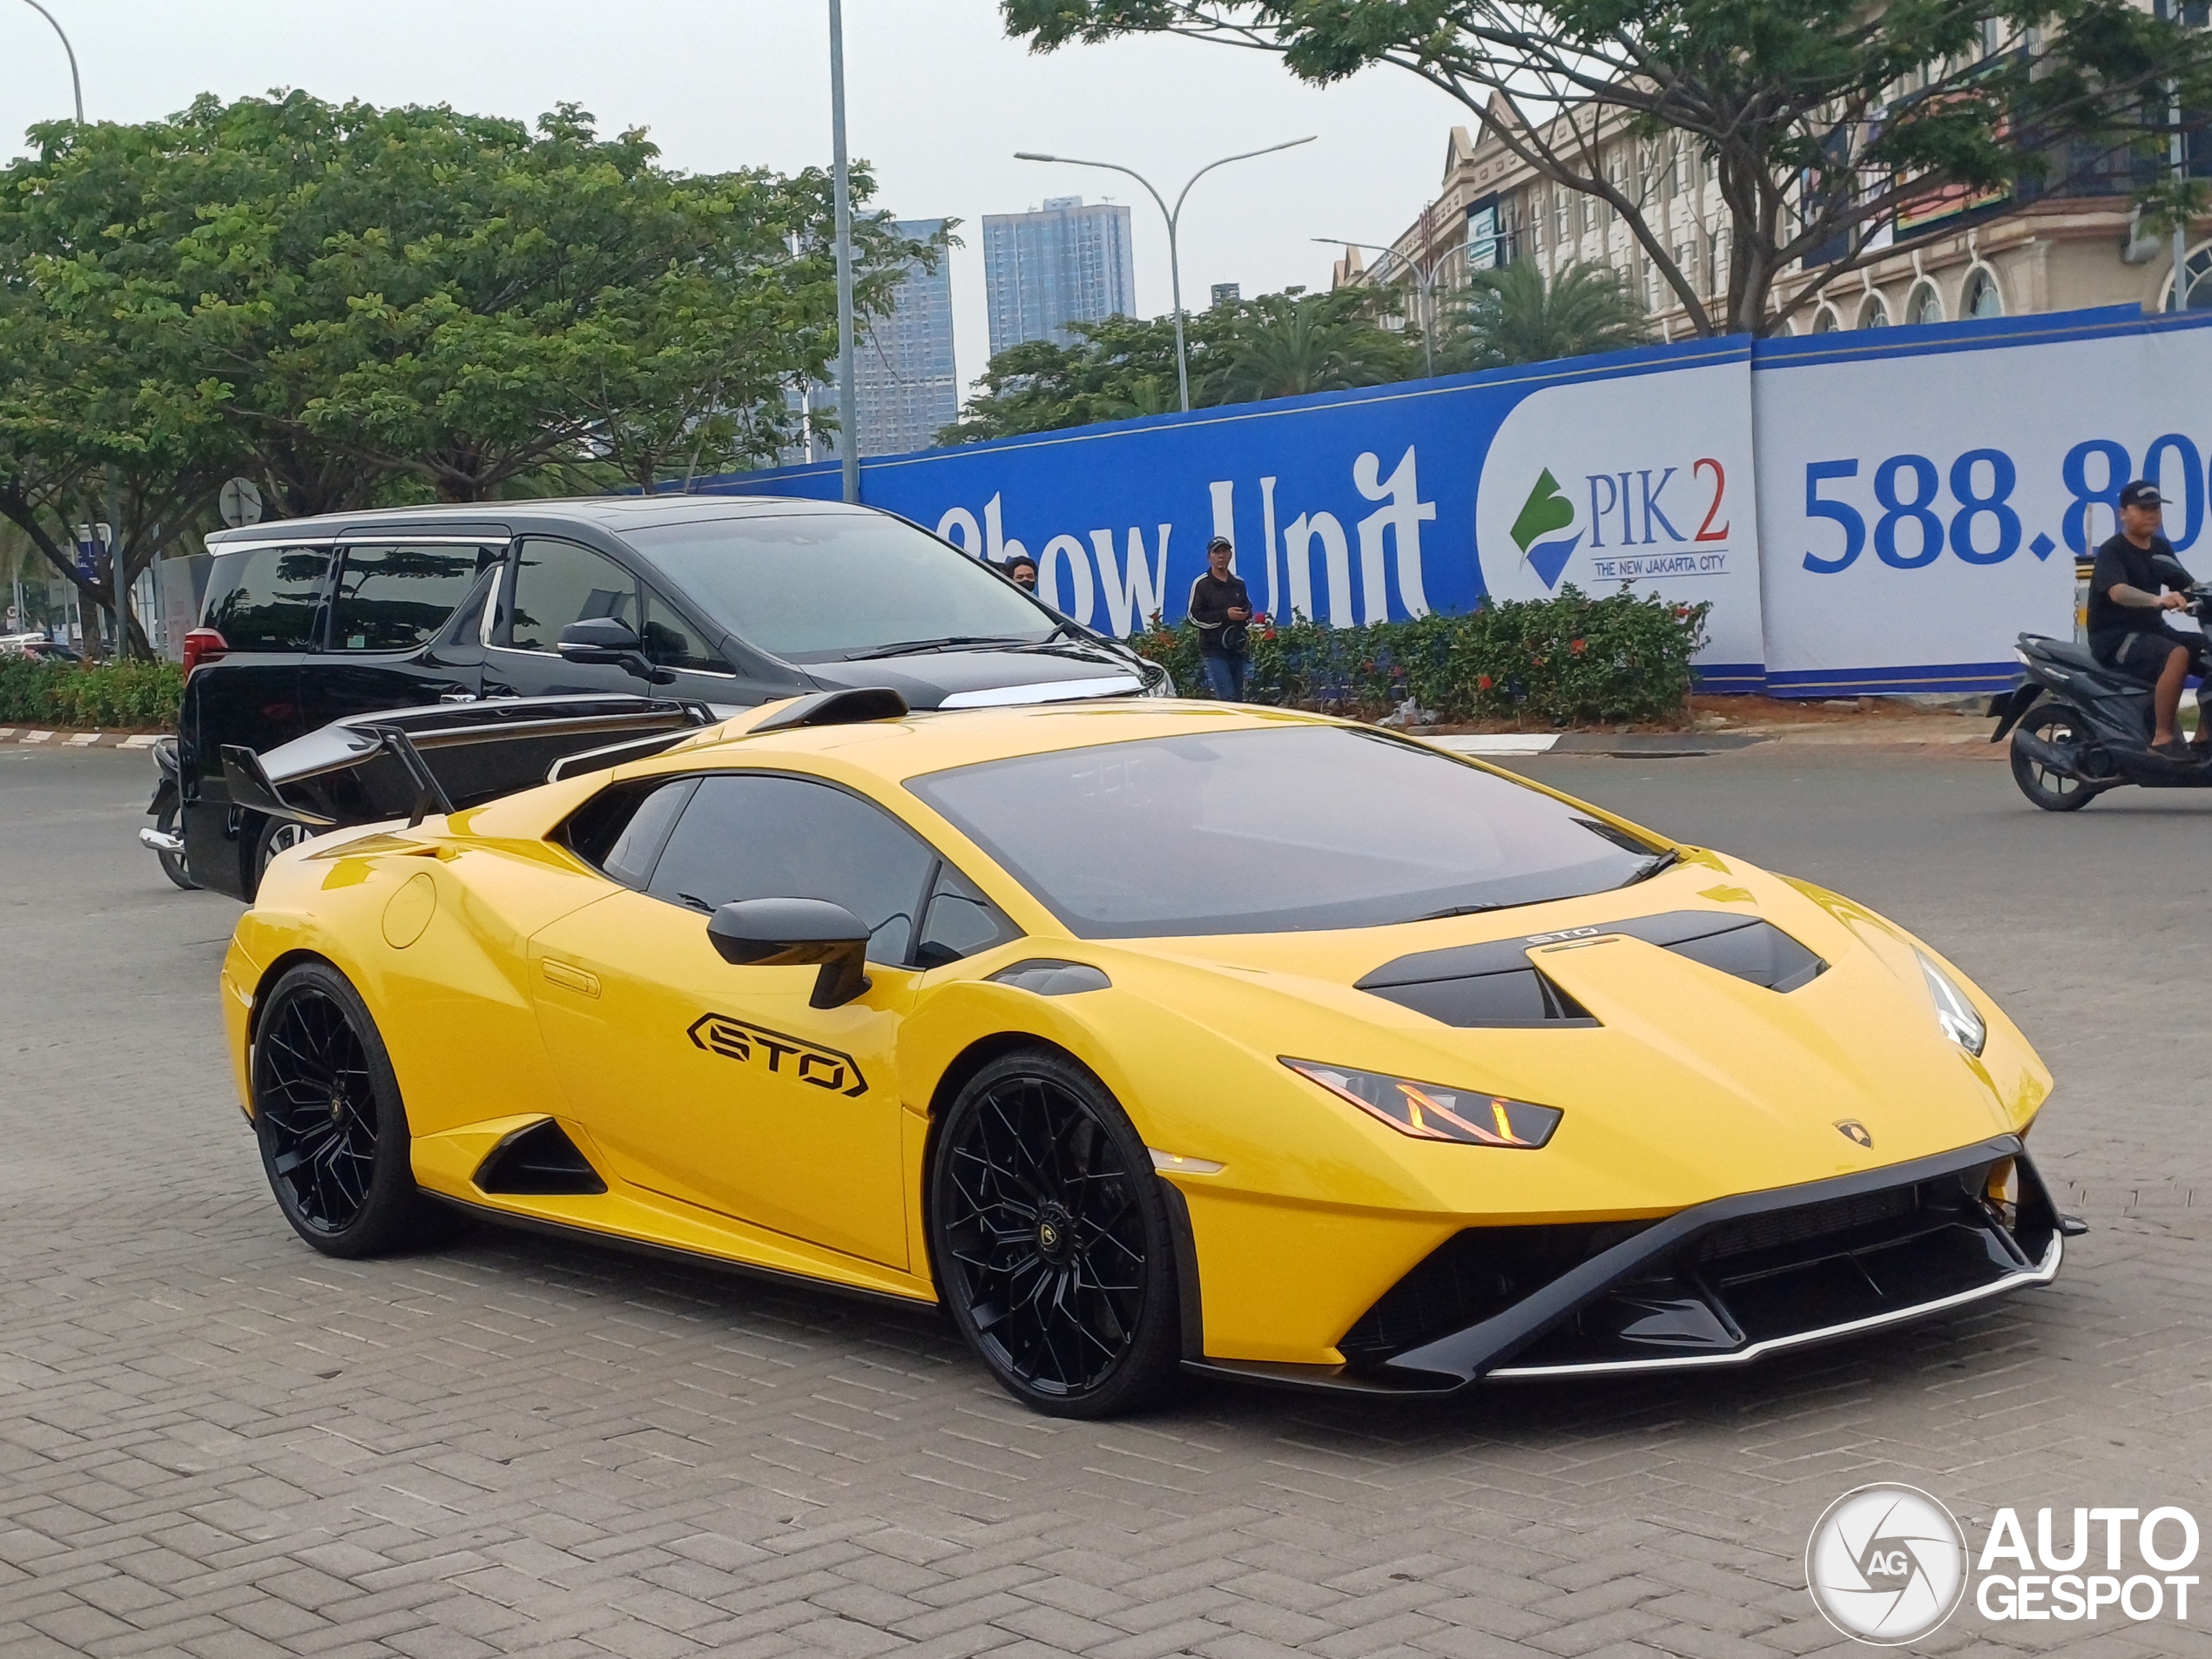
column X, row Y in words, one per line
column 397, row 598
column 558, row 582
column 266, row 599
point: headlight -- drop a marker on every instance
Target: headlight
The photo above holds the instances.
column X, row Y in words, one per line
column 1432, row 1112
column 1961, row 1021
column 1163, row 686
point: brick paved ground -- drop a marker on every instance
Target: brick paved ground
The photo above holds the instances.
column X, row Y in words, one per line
column 214, row 1442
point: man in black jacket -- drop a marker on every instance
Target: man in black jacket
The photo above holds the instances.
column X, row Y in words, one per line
column 1221, row 607
column 2127, row 617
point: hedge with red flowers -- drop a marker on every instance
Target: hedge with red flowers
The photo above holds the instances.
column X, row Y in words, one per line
column 1570, row 658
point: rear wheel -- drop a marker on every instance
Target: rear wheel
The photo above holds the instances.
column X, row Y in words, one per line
column 173, row 864
column 333, row 1130
column 2060, row 726
column 277, row 834
column 1050, row 1239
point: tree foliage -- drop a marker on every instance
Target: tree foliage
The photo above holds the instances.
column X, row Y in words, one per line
column 1818, row 121
column 352, row 304
column 1515, row 315
column 1277, row 345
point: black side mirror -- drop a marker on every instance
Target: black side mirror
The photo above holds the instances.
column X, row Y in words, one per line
column 609, row 639
column 775, row 933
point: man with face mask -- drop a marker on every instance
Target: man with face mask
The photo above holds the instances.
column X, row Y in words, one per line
column 1221, row 607
column 2128, row 618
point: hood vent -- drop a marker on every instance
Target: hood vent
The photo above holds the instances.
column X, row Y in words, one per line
column 1495, row 984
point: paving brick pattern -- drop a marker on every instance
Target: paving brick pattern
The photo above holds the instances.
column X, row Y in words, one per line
column 213, row 1442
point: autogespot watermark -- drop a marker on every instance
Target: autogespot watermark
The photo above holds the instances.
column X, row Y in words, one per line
column 1888, row 1564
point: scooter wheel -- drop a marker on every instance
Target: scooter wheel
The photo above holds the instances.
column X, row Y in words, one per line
column 2054, row 723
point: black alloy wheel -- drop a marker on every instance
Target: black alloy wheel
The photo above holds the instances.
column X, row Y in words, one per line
column 2060, row 726
column 326, row 1111
column 1050, row 1241
column 173, row 864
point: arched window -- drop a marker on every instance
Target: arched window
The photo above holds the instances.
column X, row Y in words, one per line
column 1825, row 321
column 1924, row 305
column 2197, row 284
column 1983, row 297
column 1875, row 313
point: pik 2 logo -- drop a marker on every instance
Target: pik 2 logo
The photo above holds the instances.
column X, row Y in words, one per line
column 1636, row 502
column 809, row 1063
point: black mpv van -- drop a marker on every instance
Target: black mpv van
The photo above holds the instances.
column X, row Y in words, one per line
column 732, row 600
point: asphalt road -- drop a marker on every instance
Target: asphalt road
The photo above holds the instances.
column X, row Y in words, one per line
column 214, row 1442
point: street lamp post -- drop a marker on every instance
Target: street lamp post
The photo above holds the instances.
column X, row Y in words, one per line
column 1174, row 217
column 848, row 413
column 76, row 85
column 1424, row 283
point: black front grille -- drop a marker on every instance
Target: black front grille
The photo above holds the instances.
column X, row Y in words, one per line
column 1799, row 1269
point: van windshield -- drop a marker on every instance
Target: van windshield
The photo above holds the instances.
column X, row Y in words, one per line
column 820, row 587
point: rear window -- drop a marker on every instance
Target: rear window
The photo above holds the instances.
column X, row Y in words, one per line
column 398, row 597
column 266, row 599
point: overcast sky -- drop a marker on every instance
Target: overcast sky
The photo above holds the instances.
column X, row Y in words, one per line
column 938, row 98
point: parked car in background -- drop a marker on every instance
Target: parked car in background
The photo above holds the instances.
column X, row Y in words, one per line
column 39, row 648
column 725, row 601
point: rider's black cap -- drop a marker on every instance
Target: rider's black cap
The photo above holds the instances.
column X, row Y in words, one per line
column 1218, row 541
column 2142, row 493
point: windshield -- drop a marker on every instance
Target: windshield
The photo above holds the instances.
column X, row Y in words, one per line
column 818, row 586
column 1265, row 831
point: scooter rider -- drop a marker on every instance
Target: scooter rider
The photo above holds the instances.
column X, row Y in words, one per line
column 2127, row 618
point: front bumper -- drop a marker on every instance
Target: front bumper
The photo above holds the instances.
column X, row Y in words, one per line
column 1720, row 1284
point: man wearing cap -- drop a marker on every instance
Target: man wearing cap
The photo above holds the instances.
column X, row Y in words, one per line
column 2126, row 618
column 1221, row 607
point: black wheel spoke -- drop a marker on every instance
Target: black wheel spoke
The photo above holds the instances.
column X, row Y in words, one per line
column 1045, row 1244
column 316, row 1103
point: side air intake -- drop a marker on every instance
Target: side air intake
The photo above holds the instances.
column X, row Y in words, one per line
column 538, row 1161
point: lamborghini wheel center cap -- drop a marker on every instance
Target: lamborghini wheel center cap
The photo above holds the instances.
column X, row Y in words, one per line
column 1055, row 1237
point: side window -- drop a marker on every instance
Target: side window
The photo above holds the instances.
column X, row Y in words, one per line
column 397, row 598
column 958, row 922
column 673, row 640
column 761, row 836
column 558, row 582
column 266, row 599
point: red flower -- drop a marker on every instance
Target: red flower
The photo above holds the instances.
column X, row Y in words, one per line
column 1576, row 645
column 1483, row 682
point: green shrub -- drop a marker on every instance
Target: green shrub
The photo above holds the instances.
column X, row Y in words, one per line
column 1558, row 660
column 102, row 695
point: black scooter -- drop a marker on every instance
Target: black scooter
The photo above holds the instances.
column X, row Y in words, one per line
column 2080, row 728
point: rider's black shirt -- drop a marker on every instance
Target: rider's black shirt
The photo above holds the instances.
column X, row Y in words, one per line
column 2121, row 560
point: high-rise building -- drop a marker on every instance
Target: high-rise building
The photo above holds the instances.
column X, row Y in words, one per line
column 1063, row 263
column 1227, row 293
column 907, row 384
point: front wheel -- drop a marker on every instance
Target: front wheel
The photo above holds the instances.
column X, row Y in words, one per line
column 327, row 1113
column 2056, row 724
column 1050, row 1239
column 277, row 834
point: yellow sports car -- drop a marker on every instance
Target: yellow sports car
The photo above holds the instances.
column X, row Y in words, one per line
column 1140, row 1035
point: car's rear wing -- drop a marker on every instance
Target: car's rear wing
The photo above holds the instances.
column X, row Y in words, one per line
column 409, row 763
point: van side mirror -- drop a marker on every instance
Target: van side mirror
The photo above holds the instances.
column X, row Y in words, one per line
column 798, row 933
column 610, row 639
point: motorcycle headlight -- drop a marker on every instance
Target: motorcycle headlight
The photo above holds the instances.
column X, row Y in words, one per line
column 1960, row 1019
column 1434, row 1112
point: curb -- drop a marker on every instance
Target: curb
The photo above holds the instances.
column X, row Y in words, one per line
column 1635, row 746
column 66, row 739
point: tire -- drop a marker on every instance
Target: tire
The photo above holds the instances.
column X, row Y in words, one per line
column 2053, row 723
column 277, row 834
column 333, row 1130
column 1050, row 1242
column 173, row 864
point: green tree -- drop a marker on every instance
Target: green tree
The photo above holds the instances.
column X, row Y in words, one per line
column 1285, row 345
column 353, row 304
column 1514, row 315
column 1818, row 121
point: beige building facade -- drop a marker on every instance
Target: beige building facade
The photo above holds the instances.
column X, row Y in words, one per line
column 2075, row 245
